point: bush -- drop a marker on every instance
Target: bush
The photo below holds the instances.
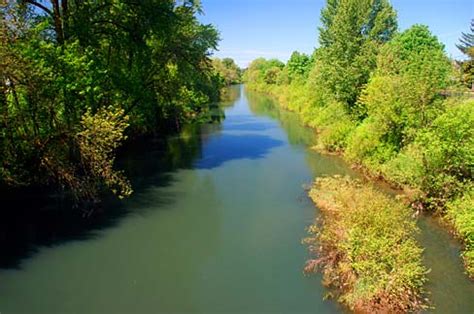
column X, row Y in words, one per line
column 460, row 212
column 366, row 144
column 366, row 248
column 406, row 168
column 448, row 152
column 334, row 126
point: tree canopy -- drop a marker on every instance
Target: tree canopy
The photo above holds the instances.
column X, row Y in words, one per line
column 79, row 77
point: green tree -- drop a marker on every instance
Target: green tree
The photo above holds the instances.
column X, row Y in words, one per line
column 227, row 70
column 262, row 71
column 466, row 46
column 402, row 96
column 298, row 65
column 412, row 69
column 466, row 42
column 350, row 37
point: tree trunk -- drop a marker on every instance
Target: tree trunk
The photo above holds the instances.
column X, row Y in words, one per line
column 58, row 25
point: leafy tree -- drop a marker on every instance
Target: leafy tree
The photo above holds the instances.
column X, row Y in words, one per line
column 350, row 37
column 412, row 69
column 227, row 70
column 262, row 71
column 298, row 65
column 402, row 96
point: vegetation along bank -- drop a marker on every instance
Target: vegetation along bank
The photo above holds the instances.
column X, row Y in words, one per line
column 393, row 104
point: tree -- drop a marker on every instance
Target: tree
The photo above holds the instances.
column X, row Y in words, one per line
column 227, row 70
column 350, row 37
column 402, row 96
column 466, row 42
column 262, row 71
column 298, row 65
column 466, row 46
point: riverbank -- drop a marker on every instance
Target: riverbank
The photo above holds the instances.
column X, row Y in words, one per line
column 430, row 185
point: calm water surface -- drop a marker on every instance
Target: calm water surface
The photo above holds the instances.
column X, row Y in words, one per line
column 214, row 226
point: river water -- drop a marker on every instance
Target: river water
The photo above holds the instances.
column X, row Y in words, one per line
column 214, row 226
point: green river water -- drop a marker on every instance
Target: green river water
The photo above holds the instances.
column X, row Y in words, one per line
column 214, row 226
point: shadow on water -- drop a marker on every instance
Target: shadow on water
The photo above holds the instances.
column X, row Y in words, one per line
column 32, row 219
column 298, row 136
column 27, row 224
column 225, row 147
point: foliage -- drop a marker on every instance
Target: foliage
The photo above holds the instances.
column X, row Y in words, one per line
column 366, row 248
column 401, row 97
column 100, row 135
column 261, row 71
column 298, row 65
column 466, row 46
column 76, row 75
column 461, row 213
column 350, row 37
column 227, row 70
column 447, row 147
column 386, row 100
column 334, row 126
column 368, row 145
column 466, row 42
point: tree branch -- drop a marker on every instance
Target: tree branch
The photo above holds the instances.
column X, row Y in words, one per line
column 39, row 5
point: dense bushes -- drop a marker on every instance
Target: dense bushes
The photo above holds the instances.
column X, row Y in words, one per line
column 461, row 213
column 384, row 104
column 366, row 249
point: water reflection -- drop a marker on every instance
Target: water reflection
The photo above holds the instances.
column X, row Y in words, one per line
column 298, row 136
column 449, row 288
column 230, row 95
column 262, row 105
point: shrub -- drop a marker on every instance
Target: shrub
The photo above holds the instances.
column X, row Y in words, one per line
column 406, row 168
column 334, row 125
column 366, row 248
column 448, row 152
column 101, row 134
column 460, row 212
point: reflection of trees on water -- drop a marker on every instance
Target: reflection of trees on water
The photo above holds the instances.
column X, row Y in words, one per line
column 262, row 105
column 164, row 252
column 298, row 134
column 229, row 95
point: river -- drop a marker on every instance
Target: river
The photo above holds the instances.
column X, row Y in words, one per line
column 214, row 226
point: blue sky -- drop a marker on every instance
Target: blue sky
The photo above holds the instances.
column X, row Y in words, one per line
column 275, row 28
